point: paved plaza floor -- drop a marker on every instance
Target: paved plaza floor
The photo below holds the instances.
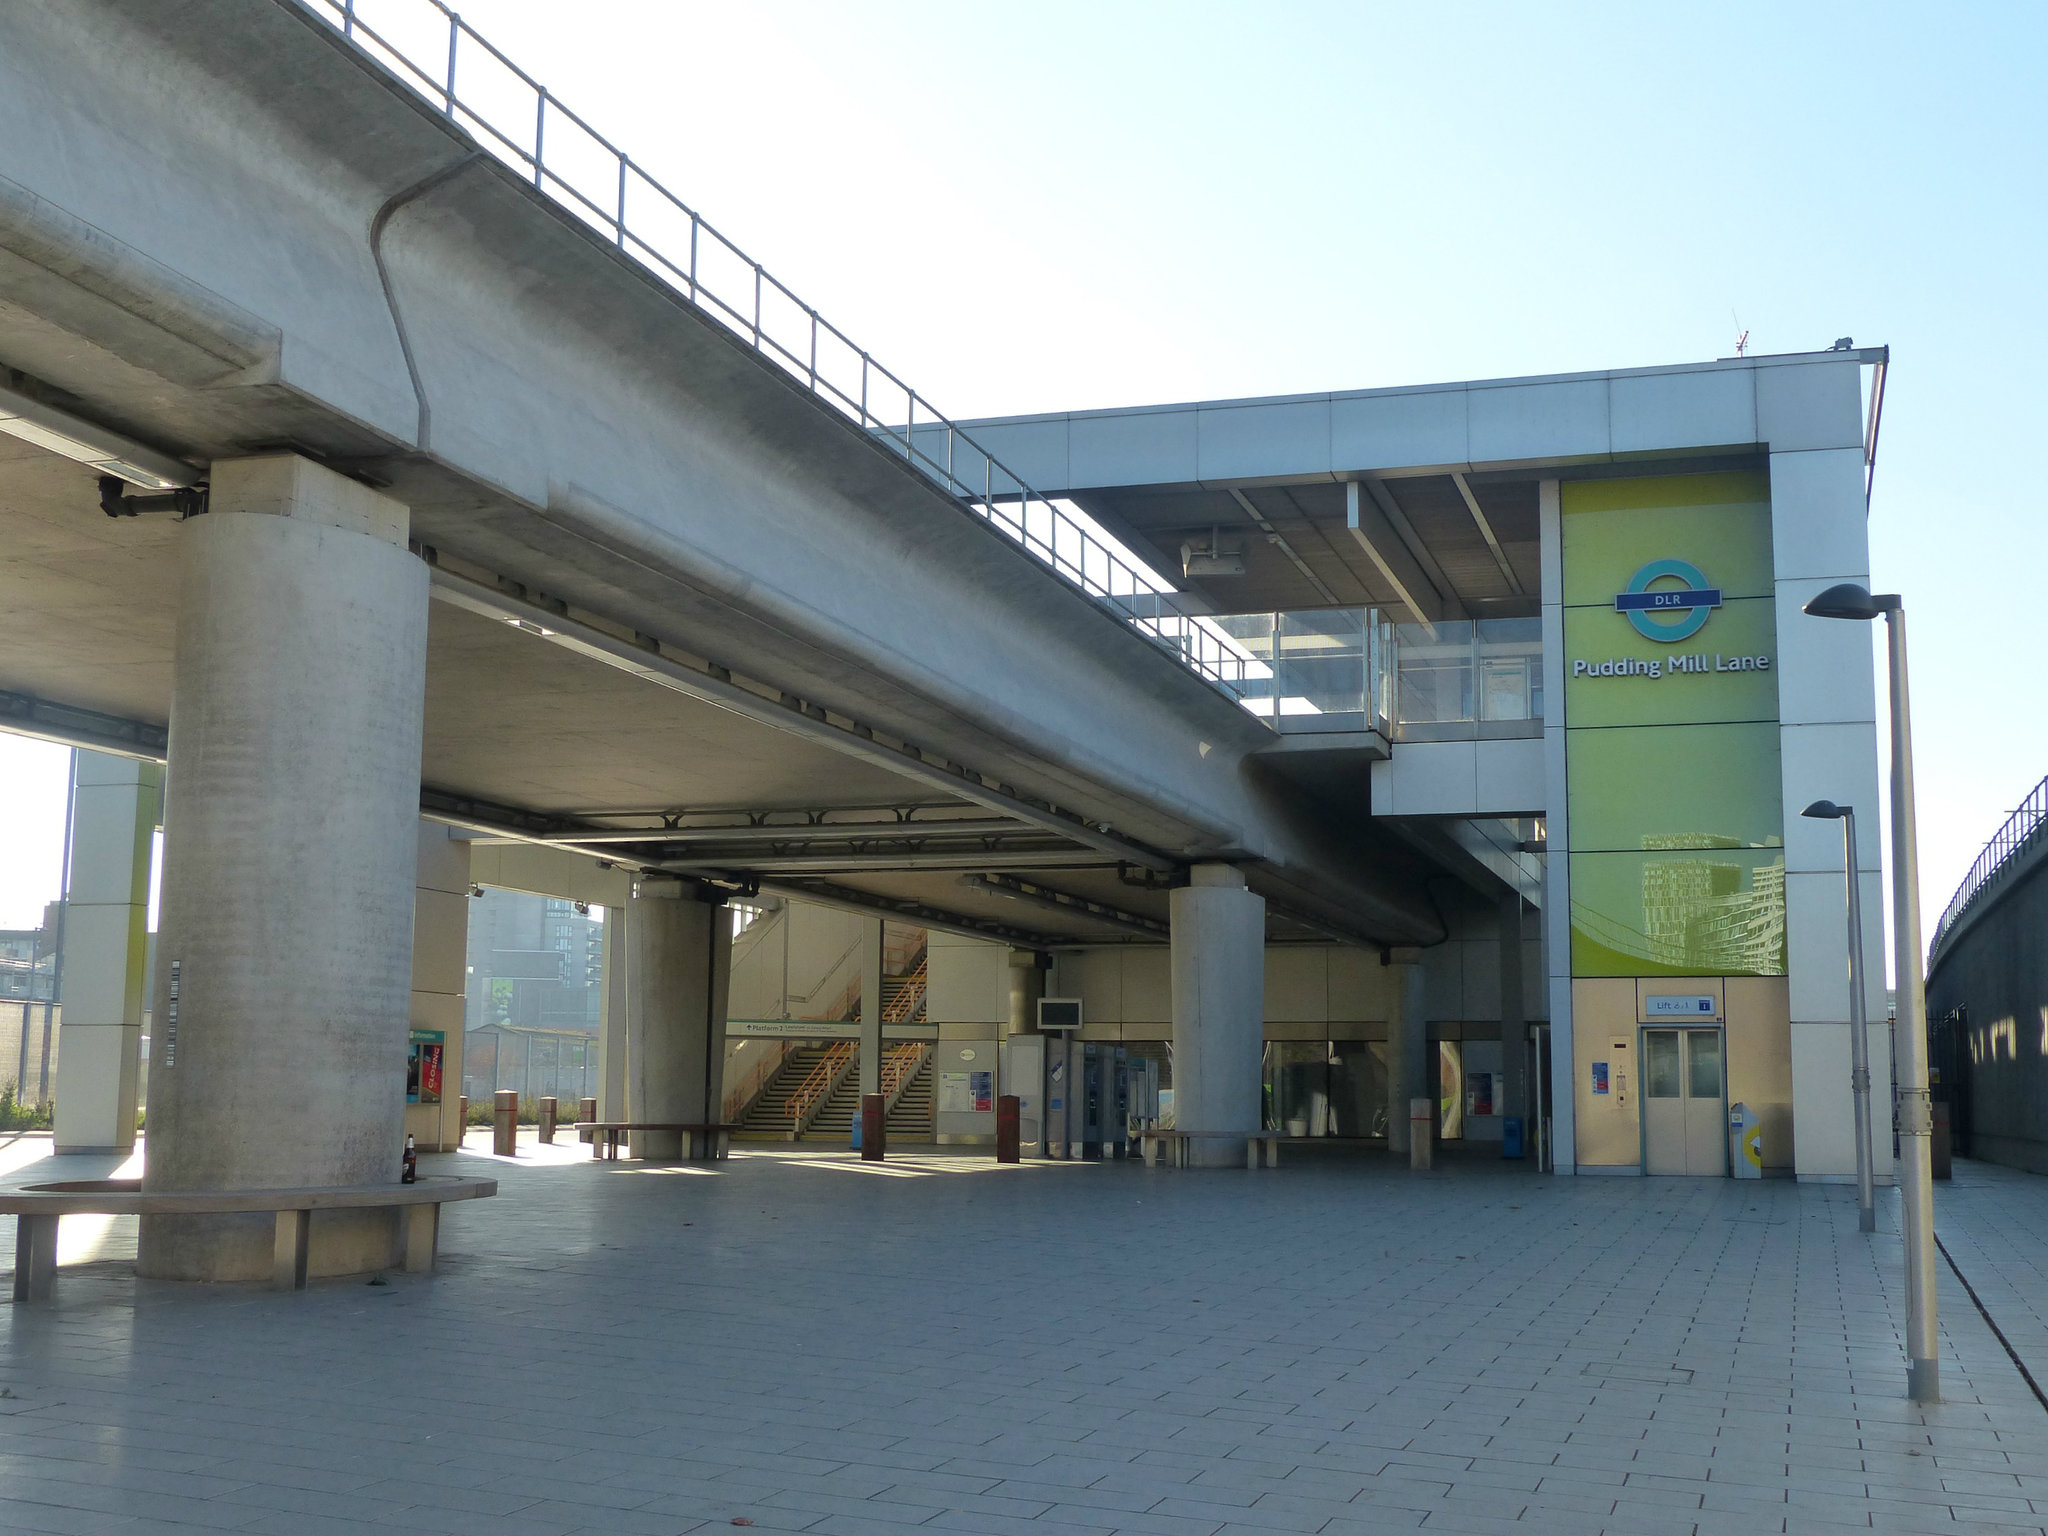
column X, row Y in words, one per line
column 799, row 1342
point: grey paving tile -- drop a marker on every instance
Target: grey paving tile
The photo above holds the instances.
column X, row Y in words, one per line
column 819, row 1353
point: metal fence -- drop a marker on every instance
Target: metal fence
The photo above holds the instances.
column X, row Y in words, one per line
column 29, row 1032
column 2019, row 832
column 537, row 1062
column 513, row 117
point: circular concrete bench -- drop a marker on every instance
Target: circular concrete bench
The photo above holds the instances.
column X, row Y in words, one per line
column 38, row 1207
column 1259, row 1146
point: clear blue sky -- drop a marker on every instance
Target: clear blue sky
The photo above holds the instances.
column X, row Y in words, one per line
column 1034, row 207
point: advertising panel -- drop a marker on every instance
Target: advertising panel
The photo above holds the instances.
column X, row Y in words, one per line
column 423, row 1066
column 1676, row 826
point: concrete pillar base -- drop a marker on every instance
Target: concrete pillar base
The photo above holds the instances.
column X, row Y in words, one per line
column 290, row 854
column 1408, row 1070
column 241, row 1248
column 1219, row 1012
column 678, row 962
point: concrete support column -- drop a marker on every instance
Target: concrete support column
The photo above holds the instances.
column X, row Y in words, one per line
column 115, row 805
column 870, row 1006
column 440, row 977
column 611, row 1020
column 291, row 824
column 1514, row 1020
column 678, row 969
column 1408, row 1075
column 1026, row 987
column 1219, row 1011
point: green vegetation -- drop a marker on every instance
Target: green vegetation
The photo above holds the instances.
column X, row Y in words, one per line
column 529, row 1112
column 15, row 1116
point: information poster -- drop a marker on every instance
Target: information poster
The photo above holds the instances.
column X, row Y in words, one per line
column 1479, row 1092
column 966, row 1093
column 423, row 1066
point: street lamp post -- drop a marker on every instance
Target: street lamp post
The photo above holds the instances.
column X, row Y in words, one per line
column 1859, row 1023
column 1915, row 1108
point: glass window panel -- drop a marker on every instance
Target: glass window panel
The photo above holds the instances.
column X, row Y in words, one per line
column 1660, row 1064
column 1358, row 1088
column 1300, row 1074
column 1703, row 1053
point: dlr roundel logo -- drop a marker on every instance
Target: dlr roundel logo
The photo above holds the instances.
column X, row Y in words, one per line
column 1675, row 611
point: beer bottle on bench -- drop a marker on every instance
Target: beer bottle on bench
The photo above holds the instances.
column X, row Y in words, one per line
column 411, row 1175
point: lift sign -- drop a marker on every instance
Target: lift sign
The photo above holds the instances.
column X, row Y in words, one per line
column 1676, row 1007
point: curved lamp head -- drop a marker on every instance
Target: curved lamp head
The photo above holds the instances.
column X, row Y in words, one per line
column 1850, row 601
column 1827, row 810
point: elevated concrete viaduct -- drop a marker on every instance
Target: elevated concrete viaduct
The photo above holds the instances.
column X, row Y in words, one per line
column 499, row 526
column 463, row 491
column 226, row 230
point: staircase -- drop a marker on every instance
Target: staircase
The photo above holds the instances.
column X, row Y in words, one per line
column 906, row 1083
column 770, row 1115
column 910, row 1117
column 903, row 996
column 835, row 1121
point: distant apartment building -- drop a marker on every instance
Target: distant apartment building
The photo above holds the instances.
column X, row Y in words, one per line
column 533, row 994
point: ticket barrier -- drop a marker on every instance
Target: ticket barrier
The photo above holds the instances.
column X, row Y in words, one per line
column 1105, row 1101
column 1074, row 1097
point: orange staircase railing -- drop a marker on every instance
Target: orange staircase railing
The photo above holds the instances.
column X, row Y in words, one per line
column 811, row 1093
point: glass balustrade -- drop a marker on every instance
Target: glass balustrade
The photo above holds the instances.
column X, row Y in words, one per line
column 1469, row 677
column 1335, row 670
column 1321, row 669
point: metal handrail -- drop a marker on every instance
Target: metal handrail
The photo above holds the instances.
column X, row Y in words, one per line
column 2021, row 829
column 900, row 1008
column 899, row 1066
column 803, row 1104
column 713, row 274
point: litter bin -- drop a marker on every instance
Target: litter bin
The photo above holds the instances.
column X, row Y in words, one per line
column 1511, row 1136
column 1745, row 1143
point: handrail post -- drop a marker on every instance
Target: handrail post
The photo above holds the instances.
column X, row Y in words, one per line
column 540, row 125
column 757, row 306
column 454, row 33
column 620, row 223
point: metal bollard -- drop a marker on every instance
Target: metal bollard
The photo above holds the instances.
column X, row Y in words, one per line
column 505, row 1122
column 1007, row 1127
column 874, row 1128
column 1421, row 1133
column 547, row 1120
column 461, row 1118
column 586, row 1109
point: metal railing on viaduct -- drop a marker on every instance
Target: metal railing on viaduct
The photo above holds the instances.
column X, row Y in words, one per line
column 515, row 118
column 2020, row 832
